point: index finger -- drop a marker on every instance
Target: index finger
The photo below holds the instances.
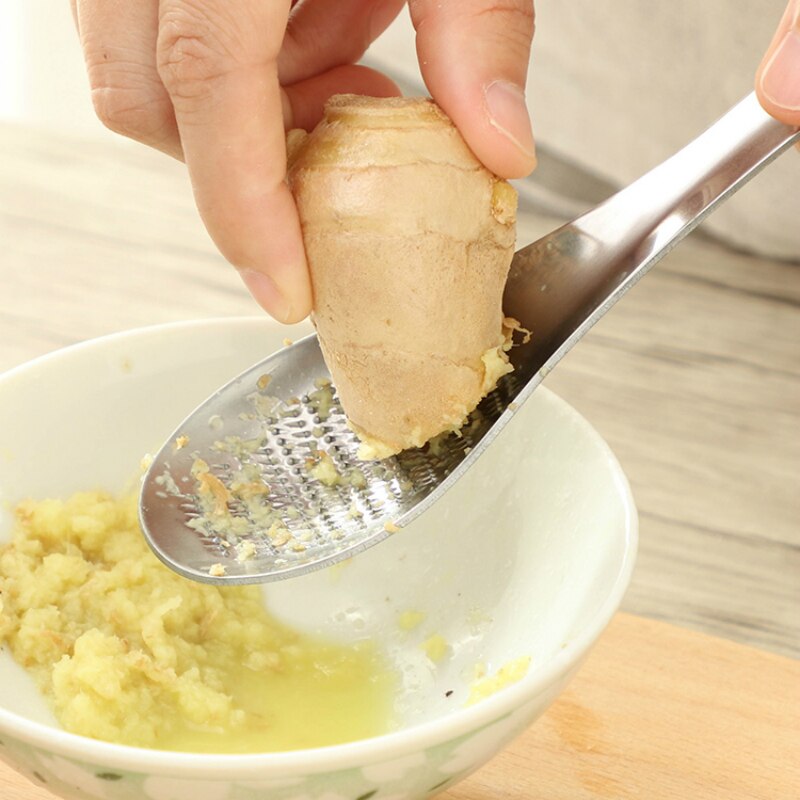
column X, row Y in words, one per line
column 218, row 62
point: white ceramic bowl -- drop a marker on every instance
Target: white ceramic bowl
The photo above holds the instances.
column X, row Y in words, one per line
column 538, row 542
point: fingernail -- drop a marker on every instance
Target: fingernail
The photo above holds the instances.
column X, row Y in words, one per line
column 780, row 80
column 267, row 294
column 508, row 113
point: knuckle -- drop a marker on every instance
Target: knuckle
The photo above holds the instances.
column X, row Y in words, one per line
column 132, row 111
column 517, row 18
column 189, row 54
column 503, row 23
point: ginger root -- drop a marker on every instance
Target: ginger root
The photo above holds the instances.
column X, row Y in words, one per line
column 409, row 241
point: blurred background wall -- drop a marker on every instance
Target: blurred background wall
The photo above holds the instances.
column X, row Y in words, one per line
column 42, row 81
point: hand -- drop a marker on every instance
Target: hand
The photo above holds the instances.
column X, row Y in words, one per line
column 217, row 82
column 778, row 77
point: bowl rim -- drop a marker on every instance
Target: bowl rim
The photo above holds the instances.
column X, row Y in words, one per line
column 333, row 758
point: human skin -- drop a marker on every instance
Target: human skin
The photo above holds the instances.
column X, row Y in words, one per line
column 778, row 76
column 217, row 83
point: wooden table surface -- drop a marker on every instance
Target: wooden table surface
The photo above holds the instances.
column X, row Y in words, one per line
column 694, row 379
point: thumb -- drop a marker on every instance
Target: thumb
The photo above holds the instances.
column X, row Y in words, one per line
column 474, row 58
column 778, row 77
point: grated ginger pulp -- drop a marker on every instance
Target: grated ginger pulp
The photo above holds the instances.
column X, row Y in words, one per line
column 127, row 651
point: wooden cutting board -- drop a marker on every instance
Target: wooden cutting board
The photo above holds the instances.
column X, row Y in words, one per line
column 656, row 713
